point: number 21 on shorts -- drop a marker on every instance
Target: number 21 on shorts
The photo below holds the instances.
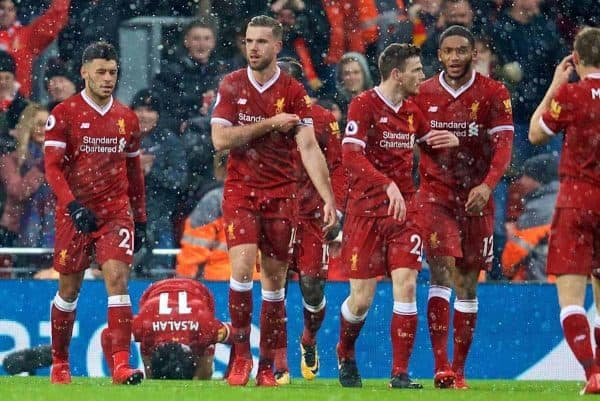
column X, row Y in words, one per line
column 127, row 241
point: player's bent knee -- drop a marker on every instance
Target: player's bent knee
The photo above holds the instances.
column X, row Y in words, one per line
column 313, row 290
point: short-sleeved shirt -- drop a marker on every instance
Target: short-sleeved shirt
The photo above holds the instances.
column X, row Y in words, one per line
column 575, row 110
column 475, row 113
column 266, row 166
column 327, row 132
column 97, row 140
column 387, row 133
column 176, row 310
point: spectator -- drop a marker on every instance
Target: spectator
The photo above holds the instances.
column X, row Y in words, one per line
column 453, row 12
column 12, row 103
column 526, row 43
column 165, row 174
column 21, row 173
column 352, row 78
column 185, row 79
column 61, row 83
column 524, row 257
column 25, row 43
column 37, row 221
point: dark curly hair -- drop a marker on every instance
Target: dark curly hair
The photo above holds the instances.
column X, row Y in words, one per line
column 172, row 361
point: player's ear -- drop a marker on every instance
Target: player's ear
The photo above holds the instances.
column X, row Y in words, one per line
column 439, row 55
column 83, row 71
column 576, row 58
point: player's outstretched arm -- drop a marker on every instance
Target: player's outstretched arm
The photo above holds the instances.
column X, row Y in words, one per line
column 316, row 167
column 537, row 135
column 227, row 137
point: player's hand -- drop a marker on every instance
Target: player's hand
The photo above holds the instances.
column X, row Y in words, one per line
column 284, row 122
column 563, row 71
column 397, row 208
column 439, row 139
column 478, row 198
column 329, row 216
column 334, row 232
column 139, row 236
column 83, row 218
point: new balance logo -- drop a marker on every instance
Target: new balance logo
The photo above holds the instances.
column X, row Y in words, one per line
column 383, row 120
column 85, row 125
column 242, row 101
column 432, row 109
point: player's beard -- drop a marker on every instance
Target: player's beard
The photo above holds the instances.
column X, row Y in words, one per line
column 262, row 65
column 466, row 70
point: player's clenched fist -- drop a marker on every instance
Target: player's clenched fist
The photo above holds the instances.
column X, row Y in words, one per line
column 284, row 122
column 83, row 218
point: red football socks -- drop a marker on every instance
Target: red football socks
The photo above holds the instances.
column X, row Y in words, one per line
column 62, row 316
column 240, row 310
column 313, row 318
column 273, row 325
column 350, row 326
column 402, row 331
column 438, row 319
column 577, row 333
column 119, row 325
column 465, row 318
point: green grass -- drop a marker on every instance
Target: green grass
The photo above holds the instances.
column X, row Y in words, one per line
column 39, row 388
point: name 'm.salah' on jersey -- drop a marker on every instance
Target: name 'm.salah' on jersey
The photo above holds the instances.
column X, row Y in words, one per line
column 267, row 163
column 96, row 141
column 387, row 134
column 179, row 310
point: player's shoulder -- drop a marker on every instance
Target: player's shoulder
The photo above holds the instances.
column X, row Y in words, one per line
column 320, row 112
column 123, row 109
column 365, row 98
column 410, row 105
column 489, row 84
column 237, row 76
column 70, row 105
column 430, row 85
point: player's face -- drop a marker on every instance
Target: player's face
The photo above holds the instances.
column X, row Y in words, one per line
column 148, row 118
column 412, row 76
column 200, row 43
column 456, row 55
column 261, row 47
column 60, row 88
column 38, row 126
column 100, row 77
column 353, row 78
column 8, row 14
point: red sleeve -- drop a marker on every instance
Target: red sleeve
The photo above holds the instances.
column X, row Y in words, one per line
column 44, row 29
column 333, row 156
column 225, row 108
column 301, row 104
column 502, row 153
column 422, row 123
column 502, row 131
column 55, row 145
column 305, row 58
column 560, row 114
column 135, row 177
column 355, row 138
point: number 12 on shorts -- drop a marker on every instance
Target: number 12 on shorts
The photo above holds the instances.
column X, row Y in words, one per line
column 127, row 241
column 488, row 249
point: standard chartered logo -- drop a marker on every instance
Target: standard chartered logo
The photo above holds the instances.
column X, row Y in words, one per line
column 102, row 145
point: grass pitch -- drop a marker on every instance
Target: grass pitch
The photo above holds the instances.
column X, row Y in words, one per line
column 83, row 389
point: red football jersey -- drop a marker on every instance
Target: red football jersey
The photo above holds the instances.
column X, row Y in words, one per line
column 575, row 110
column 266, row 164
column 475, row 113
column 327, row 132
column 179, row 310
column 97, row 140
column 387, row 133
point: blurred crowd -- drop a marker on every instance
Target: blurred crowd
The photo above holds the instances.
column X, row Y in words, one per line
column 337, row 42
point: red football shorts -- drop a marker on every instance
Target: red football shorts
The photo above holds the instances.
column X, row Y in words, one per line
column 310, row 256
column 73, row 251
column 574, row 246
column 267, row 222
column 374, row 246
column 470, row 239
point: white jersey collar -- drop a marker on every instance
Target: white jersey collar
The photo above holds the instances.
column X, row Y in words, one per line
column 456, row 93
column 262, row 88
column 389, row 104
column 102, row 110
